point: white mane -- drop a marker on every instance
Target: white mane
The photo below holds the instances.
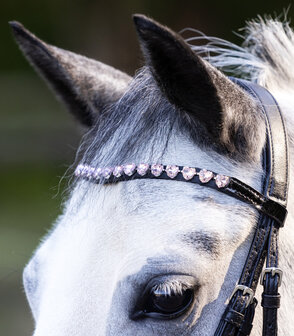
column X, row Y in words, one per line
column 265, row 56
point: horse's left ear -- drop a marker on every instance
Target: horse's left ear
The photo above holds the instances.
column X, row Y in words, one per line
column 205, row 95
column 86, row 86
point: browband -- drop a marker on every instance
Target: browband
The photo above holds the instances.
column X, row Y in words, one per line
column 271, row 204
column 223, row 183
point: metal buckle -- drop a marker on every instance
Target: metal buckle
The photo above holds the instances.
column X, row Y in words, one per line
column 273, row 271
column 246, row 290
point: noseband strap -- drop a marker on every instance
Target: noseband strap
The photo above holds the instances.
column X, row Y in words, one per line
column 238, row 316
column 271, row 203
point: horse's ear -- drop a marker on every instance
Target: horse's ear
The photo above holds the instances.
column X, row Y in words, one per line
column 85, row 85
column 203, row 93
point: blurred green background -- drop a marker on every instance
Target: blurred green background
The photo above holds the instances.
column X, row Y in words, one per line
column 38, row 138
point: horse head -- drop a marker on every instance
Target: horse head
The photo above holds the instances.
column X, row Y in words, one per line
column 146, row 257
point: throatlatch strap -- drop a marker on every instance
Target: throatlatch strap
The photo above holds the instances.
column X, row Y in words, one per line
column 238, row 316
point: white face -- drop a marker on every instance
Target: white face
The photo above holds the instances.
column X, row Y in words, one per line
column 115, row 243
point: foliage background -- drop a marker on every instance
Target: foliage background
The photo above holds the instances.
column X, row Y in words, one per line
column 37, row 137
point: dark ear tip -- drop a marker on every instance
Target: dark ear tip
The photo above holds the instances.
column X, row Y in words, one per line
column 22, row 35
column 138, row 18
column 16, row 26
column 142, row 23
column 20, row 32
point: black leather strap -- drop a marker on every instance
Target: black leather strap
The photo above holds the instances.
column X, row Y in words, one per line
column 275, row 188
column 277, row 167
column 271, row 297
column 271, row 208
column 271, row 301
column 278, row 181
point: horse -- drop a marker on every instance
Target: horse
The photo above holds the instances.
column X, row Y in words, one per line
column 173, row 249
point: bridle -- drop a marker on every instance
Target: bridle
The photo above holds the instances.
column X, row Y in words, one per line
column 271, row 203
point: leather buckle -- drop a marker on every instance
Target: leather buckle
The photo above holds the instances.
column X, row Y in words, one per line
column 273, row 271
column 245, row 290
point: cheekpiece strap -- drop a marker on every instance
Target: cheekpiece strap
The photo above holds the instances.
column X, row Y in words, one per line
column 265, row 241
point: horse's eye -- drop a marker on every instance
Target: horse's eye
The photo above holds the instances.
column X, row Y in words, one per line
column 162, row 305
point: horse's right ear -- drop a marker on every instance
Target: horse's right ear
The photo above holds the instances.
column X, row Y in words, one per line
column 85, row 85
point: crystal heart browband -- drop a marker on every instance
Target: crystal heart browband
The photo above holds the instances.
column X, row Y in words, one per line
column 144, row 169
column 223, row 183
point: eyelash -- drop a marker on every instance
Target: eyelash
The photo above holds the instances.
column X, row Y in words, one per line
column 173, row 287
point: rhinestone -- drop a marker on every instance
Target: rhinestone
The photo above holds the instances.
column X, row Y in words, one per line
column 106, row 172
column 172, row 171
column 205, row 175
column 129, row 169
column 222, row 181
column 91, row 172
column 118, row 171
column 84, row 171
column 79, row 170
column 142, row 168
column 97, row 173
column 188, row 173
column 156, row 169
